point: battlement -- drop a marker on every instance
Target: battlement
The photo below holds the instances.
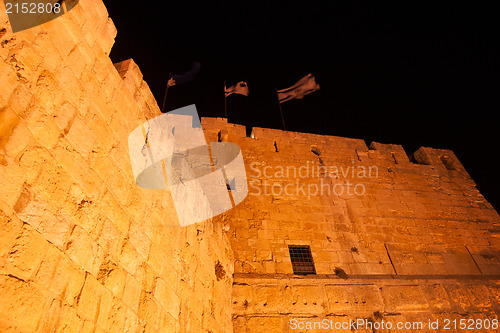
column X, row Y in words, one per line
column 425, row 160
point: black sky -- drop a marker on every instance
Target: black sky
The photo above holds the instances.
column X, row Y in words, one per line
column 415, row 73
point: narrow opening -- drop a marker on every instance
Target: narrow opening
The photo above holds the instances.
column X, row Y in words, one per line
column 448, row 163
column 357, row 154
column 302, row 260
column 275, row 147
column 394, row 158
column 231, row 184
column 315, row 150
column 146, row 141
column 219, row 136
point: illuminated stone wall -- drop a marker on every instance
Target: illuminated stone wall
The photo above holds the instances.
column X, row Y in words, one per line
column 416, row 240
column 82, row 248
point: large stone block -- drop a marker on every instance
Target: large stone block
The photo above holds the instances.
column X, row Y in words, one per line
column 19, row 297
column 68, row 281
column 167, row 297
column 88, row 302
column 267, row 324
column 404, row 298
column 41, row 216
column 26, row 254
column 112, row 277
column 84, row 251
column 10, row 227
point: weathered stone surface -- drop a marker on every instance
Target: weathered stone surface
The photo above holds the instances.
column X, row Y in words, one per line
column 19, row 298
column 421, row 227
column 82, row 249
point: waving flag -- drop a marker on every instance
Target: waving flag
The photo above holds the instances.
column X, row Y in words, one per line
column 239, row 88
column 304, row 86
column 186, row 77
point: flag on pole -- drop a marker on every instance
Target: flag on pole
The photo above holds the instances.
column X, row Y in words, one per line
column 238, row 88
column 186, row 77
column 304, row 86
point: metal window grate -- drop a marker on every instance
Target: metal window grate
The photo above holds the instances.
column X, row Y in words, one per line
column 302, row 260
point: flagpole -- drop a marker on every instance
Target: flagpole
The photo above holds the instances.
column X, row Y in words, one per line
column 281, row 111
column 225, row 102
column 166, row 91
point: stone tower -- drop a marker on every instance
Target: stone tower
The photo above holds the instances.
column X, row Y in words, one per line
column 331, row 229
column 335, row 232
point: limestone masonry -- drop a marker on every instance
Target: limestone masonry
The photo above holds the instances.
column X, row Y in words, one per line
column 393, row 238
column 419, row 243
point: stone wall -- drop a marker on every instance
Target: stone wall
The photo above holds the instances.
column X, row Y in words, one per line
column 414, row 239
column 82, row 248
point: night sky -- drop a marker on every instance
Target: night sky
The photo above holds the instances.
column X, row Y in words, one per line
column 414, row 73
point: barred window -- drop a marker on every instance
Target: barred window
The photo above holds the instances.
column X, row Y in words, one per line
column 302, row 260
